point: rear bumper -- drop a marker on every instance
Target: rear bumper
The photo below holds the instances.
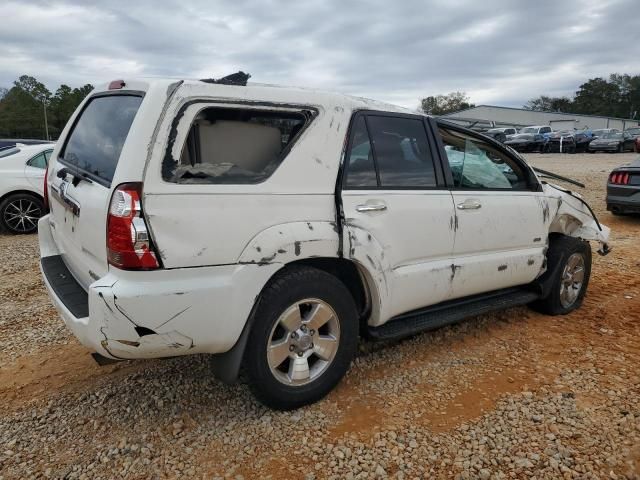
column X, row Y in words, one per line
column 603, row 148
column 162, row 313
column 623, row 198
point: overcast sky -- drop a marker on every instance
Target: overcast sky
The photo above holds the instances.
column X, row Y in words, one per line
column 499, row 51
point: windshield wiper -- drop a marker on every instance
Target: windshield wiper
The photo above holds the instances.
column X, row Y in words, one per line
column 77, row 176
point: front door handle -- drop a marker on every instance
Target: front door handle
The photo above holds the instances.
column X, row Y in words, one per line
column 469, row 205
column 371, row 207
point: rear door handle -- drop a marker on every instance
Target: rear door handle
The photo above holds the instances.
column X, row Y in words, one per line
column 469, row 205
column 371, row 207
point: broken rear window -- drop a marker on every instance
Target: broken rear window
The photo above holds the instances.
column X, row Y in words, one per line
column 236, row 146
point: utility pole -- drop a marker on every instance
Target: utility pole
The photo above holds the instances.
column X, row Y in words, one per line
column 46, row 125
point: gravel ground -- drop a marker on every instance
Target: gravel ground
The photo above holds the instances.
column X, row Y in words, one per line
column 510, row 395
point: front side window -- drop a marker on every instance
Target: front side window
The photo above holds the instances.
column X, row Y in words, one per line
column 478, row 165
column 235, row 146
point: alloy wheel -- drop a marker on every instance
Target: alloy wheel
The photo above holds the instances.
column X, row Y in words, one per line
column 22, row 215
column 303, row 342
column 572, row 280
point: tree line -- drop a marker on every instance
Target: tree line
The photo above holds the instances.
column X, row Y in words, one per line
column 24, row 105
column 617, row 96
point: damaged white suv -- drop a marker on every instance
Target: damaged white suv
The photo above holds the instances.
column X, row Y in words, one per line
column 271, row 227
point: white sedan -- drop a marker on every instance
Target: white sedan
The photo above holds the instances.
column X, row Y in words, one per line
column 22, row 170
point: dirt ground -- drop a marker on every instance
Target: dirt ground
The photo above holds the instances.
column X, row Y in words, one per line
column 509, row 395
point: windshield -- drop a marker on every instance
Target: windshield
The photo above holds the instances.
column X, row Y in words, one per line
column 98, row 136
column 529, row 130
column 634, row 131
column 612, row 135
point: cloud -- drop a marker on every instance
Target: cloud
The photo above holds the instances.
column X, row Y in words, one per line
column 498, row 51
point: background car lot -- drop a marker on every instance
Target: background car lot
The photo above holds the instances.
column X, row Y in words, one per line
column 515, row 392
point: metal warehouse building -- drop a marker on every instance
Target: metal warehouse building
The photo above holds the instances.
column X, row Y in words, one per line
column 487, row 116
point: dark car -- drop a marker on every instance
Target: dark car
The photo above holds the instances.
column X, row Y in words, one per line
column 612, row 142
column 526, row 142
column 603, row 131
column 635, row 133
column 501, row 134
column 623, row 189
column 582, row 139
column 563, row 142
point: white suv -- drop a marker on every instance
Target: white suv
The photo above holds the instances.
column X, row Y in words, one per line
column 273, row 226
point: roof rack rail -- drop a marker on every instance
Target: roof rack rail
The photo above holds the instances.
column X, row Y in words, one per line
column 239, row 78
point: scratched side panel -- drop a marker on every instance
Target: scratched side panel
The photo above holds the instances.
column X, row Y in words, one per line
column 503, row 243
column 406, row 249
column 195, row 225
column 196, row 230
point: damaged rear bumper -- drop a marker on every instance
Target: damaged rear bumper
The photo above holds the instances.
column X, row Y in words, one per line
column 163, row 313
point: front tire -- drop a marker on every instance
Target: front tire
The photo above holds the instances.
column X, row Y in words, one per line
column 572, row 256
column 303, row 338
column 20, row 212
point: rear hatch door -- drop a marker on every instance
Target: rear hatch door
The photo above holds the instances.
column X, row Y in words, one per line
column 81, row 180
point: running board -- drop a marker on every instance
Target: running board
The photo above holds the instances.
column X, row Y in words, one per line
column 450, row 312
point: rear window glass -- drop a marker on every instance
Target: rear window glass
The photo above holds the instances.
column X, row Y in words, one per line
column 235, row 146
column 98, row 136
column 5, row 152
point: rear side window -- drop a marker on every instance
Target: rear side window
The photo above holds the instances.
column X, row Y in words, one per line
column 361, row 171
column 389, row 152
column 401, row 152
column 97, row 138
column 236, row 146
column 40, row 160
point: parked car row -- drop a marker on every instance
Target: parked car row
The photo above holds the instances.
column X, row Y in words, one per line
column 544, row 140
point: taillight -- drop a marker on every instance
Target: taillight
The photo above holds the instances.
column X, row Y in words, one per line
column 129, row 245
column 619, row 178
column 45, row 195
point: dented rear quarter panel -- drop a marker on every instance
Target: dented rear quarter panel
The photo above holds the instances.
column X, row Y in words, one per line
column 195, row 225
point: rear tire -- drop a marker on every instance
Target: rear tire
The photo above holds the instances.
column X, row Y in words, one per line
column 569, row 286
column 303, row 338
column 20, row 212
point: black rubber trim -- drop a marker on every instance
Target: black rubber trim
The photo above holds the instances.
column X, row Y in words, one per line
column 66, row 288
column 450, row 312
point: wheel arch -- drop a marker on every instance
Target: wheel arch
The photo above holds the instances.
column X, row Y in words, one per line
column 226, row 366
column 21, row 192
